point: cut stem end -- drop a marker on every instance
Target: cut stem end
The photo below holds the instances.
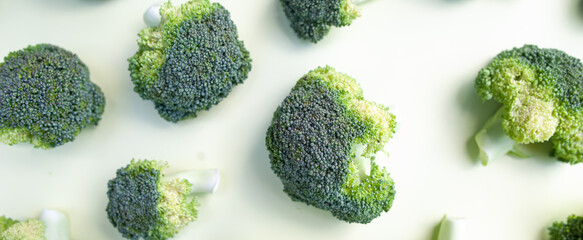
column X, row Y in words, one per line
column 56, row 223
column 203, row 180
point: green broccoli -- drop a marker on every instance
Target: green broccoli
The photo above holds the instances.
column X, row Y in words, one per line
column 311, row 19
column 322, row 136
column 53, row 225
column 31, row 229
column 145, row 204
column 46, row 97
column 571, row 230
column 190, row 61
column 541, row 91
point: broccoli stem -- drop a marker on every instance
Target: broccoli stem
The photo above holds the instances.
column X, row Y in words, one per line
column 453, row 229
column 493, row 141
column 362, row 163
column 202, row 180
column 152, row 16
column 56, row 224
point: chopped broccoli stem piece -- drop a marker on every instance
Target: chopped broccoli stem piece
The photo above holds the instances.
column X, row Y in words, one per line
column 56, row 223
column 493, row 141
column 152, row 16
column 453, row 229
column 202, row 180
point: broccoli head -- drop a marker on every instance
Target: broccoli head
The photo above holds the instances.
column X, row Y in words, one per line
column 46, row 97
column 31, row 229
column 321, row 137
column 190, row 61
column 311, row 19
column 571, row 230
column 144, row 204
column 541, row 92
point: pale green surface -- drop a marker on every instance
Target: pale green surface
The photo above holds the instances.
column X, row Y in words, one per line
column 31, row 229
column 453, row 229
column 419, row 57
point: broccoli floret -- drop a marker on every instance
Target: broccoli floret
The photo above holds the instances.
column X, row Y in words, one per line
column 51, row 225
column 31, row 229
column 311, row 19
column 571, row 230
column 145, row 204
column 319, row 137
column 46, row 97
column 541, row 92
column 190, row 61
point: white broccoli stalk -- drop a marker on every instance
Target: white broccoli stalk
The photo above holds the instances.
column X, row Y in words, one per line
column 453, row 229
column 152, row 16
column 56, row 224
column 202, row 180
column 493, row 141
column 362, row 163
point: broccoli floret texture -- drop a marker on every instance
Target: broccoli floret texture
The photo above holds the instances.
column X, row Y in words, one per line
column 31, row 229
column 542, row 95
column 191, row 61
column 311, row 19
column 311, row 144
column 142, row 204
column 46, row 97
column 571, row 230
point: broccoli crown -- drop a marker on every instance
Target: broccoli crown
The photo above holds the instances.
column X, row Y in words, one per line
column 542, row 95
column 571, row 230
column 191, row 61
column 142, row 204
column 312, row 146
column 312, row 19
column 31, row 229
column 46, row 97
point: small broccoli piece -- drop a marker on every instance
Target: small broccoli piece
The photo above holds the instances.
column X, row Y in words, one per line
column 52, row 225
column 541, row 91
column 312, row 19
column 145, row 204
column 571, row 230
column 31, row 229
column 190, row 61
column 46, row 97
column 319, row 135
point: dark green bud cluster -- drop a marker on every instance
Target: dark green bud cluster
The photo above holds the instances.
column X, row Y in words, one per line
column 191, row 61
column 311, row 19
column 144, row 205
column 46, row 97
column 570, row 230
column 312, row 145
